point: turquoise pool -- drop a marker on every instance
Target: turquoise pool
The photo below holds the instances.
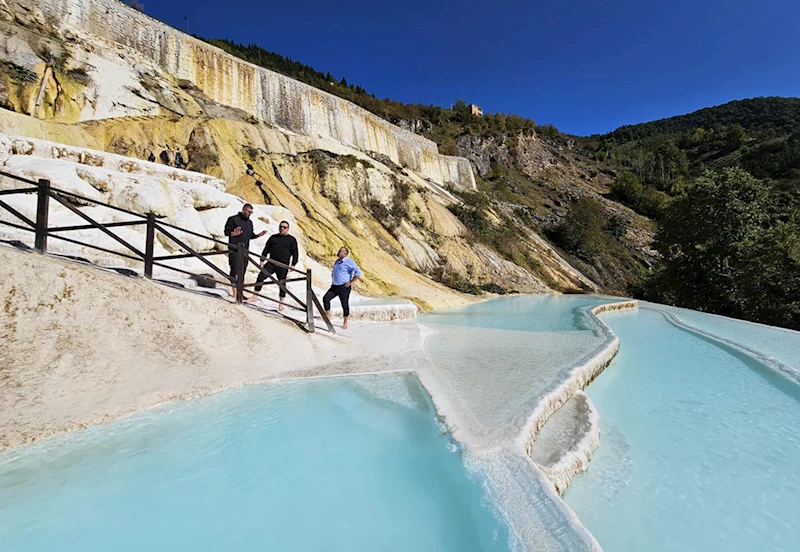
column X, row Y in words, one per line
column 701, row 444
column 699, row 449
column 337, row 464
column 700, row 441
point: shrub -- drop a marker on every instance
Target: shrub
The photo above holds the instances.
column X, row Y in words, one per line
column 473, row 199
column 454, row 281
column 383, row 215
column 581, row 231
column 643, row 199
column 523, row 215
column 400, row 200
column 494, row 288
column 351, row 162
column 652, row 202
column 474, row 219
column 136, row 5
column 617, row 226
column 627, row 189
column 320, row 160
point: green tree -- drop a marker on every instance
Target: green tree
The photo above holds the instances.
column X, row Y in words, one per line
column 582, row 230
column 670, row 166
column 735, row 137
column 770, row 277
column 627, row 188
column 652, row 202
column 135, row 4
column 728, row 249
column 500, row 121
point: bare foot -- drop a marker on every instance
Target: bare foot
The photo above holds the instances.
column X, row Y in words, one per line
column 281, row 307
column 252, row 301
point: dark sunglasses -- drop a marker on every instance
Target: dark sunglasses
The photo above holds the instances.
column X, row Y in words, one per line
column 283, row 226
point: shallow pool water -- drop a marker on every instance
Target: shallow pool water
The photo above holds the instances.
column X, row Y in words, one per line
column 496, row 360
column 336, row 464
column 700, row 446
column 528, row 313
column 699, row 451
column 781, row 344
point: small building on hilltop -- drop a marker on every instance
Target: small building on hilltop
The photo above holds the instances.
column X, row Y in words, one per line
column 475, row 110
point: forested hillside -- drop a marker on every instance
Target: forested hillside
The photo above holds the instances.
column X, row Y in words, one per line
column 778, row 115
column 724, row 184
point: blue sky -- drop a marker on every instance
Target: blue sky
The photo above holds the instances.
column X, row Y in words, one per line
column 584, row 66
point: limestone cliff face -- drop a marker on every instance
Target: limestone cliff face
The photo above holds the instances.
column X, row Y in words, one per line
column 346, row 176
column 229, row 81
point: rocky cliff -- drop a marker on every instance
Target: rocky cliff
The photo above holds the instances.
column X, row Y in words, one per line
column 535, row 180
column 229, row 81
column 347, row 176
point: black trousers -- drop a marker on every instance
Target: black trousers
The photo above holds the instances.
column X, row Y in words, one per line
column 269, row 268
column 233, row 260
column 343, row 293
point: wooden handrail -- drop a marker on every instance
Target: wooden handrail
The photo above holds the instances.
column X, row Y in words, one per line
column 20, row 178
column 258, row 258
column 191, row 233
column 17, row 214
column 18, row 190
column 92, row 226
column 276, row 281
column 243, row 257
column 195, row 254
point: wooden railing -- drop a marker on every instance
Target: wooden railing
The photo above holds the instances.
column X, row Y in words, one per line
column 43, row 231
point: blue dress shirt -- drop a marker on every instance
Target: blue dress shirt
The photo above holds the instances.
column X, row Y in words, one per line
column 344, row 271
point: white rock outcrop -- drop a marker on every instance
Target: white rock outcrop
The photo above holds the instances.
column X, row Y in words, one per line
column 192, row 201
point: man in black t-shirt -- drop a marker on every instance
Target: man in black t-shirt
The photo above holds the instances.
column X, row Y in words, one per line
column 281, row 247
column 239, row 229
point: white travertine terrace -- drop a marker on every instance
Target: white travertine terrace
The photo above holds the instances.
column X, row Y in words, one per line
column 565, row 444
column 782, row 369
column 186, row 199
column 480, row 393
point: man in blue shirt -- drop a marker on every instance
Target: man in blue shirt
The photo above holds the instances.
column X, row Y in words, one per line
column 345, row 272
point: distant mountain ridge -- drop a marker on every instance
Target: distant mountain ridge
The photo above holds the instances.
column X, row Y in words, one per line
column 764, row 114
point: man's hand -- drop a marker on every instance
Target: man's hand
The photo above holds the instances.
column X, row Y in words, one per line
column 261, row 234
column 237, row 231
column 348, row 284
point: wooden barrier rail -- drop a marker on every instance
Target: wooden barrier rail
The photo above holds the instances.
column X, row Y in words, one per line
column 153, row 227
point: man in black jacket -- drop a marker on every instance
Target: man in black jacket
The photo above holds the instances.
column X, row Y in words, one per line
column 281, row 247
column 239, row 229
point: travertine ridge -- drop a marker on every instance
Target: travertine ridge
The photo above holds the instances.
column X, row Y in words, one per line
column 230, row 81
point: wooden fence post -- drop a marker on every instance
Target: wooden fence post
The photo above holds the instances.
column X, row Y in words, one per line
column 42, row 214
column 309, row 302
column 149, row 245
